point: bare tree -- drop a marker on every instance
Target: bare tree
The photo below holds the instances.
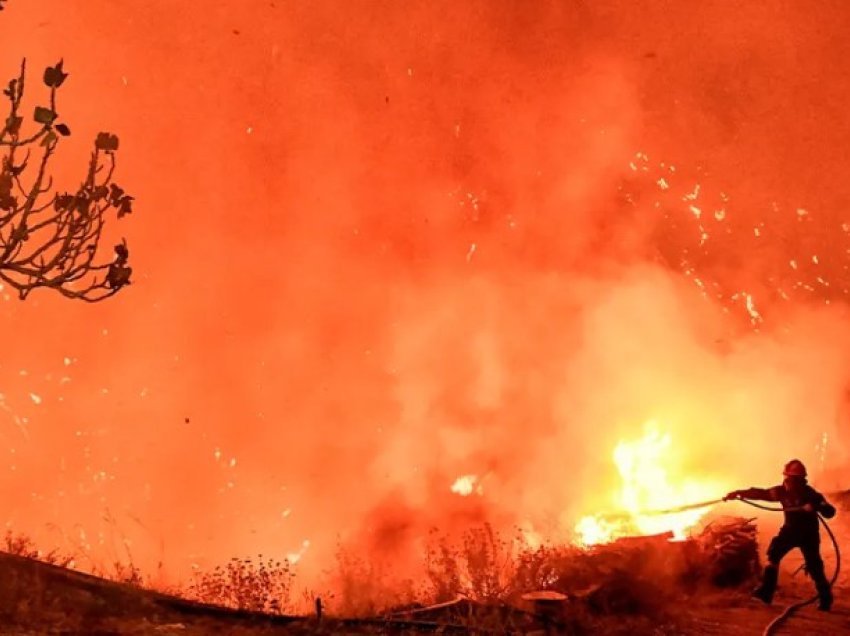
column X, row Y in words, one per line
column 50, row 238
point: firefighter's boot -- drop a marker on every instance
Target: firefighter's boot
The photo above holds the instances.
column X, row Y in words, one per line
column 764, row 592
column 824, row 593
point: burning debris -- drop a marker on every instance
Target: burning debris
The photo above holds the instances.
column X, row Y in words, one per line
column 562, row 587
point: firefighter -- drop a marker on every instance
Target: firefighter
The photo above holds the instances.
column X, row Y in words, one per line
column 800, row 530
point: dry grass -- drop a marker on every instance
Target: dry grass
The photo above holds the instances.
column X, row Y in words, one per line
column 127, row 573
column 361, row 587
column 480, row 566
column 629, row 590
column 610, row 590
column 488, row 568
column 22, row 545
column 261, row 585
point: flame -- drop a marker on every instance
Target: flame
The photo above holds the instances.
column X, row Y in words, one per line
column 652, row 480
column 295, row 557
column 465, row 485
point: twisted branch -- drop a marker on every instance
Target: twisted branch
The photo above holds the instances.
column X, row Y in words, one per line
column 51, row 239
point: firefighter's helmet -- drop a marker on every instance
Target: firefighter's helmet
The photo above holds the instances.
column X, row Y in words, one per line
column 794, row 468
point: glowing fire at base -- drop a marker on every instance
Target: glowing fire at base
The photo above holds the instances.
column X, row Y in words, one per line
column 650, row 481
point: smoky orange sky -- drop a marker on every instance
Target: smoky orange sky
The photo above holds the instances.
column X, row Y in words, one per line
column 380, row 245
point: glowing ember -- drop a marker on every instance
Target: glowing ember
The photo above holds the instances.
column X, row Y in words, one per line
column 652, row 480
column 466, row 485
column 295, row 557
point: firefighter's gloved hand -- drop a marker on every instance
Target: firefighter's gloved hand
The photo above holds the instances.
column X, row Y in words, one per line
column 735, row 494
column 827, row 510
column 808, row 507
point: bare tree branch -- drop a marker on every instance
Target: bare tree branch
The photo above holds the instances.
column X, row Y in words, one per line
column 51, row 239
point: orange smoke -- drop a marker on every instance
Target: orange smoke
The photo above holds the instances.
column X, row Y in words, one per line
column 382, row 248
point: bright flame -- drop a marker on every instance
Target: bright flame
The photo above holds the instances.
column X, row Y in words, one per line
column 651, row 481
column 295, row 557
column 465, row 485
column 593, row 530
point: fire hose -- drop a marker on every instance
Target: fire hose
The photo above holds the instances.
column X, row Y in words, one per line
column 776, row 622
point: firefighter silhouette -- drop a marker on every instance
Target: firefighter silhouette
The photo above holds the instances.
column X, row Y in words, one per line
column 800, row 530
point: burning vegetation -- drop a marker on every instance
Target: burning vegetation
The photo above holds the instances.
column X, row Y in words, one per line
column 649, row 488
column 449, row 300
